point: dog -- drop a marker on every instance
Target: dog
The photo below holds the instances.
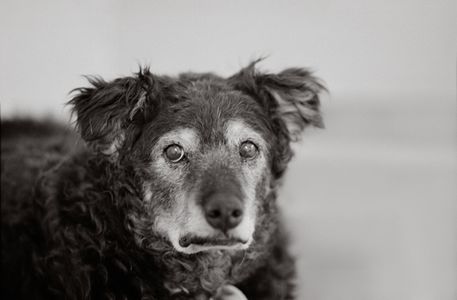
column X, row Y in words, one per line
column 172, row 195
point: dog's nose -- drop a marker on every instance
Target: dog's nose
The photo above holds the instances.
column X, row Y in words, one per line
column 223, row 211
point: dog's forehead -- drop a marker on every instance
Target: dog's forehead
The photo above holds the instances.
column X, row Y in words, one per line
column 209, row 106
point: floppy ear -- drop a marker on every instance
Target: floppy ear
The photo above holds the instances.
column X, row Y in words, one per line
column 106, row 110
column 291, row 96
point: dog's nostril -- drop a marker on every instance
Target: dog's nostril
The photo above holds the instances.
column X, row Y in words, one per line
column 214, row 213
column 237, row 213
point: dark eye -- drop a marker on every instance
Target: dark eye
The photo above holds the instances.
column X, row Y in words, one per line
column 248, row 150
column 174, row 153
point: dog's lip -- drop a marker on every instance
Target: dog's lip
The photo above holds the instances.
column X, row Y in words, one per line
column 186, row 241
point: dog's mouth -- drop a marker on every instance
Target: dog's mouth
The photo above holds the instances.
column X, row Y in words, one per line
column 189, row 240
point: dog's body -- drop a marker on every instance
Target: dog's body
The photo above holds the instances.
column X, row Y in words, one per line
column 174, row 197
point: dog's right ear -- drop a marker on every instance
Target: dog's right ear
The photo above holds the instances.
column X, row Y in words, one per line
column 290, row 97
column 106, row 110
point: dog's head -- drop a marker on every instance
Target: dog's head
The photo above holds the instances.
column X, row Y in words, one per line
column 207, row 151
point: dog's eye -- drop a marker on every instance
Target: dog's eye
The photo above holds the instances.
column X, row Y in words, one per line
column 174, row 153
column 248, row 150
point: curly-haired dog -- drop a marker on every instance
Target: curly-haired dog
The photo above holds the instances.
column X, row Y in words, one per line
column 174, row 196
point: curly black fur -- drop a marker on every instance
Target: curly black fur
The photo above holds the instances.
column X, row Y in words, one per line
column 72, row 215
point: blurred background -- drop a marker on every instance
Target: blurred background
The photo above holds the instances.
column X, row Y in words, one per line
column 371, row 201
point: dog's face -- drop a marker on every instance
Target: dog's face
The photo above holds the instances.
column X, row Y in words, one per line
column 208, row 168
column 207, row 151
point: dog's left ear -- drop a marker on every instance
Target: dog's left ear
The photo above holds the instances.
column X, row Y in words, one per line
column 291, row 96
column 105, row 111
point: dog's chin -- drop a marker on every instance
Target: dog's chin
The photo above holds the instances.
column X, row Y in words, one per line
column 189, row 244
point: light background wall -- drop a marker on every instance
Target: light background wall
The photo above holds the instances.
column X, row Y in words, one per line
column 371, row 200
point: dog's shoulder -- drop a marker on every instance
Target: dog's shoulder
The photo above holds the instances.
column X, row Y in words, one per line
column 28, row 149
